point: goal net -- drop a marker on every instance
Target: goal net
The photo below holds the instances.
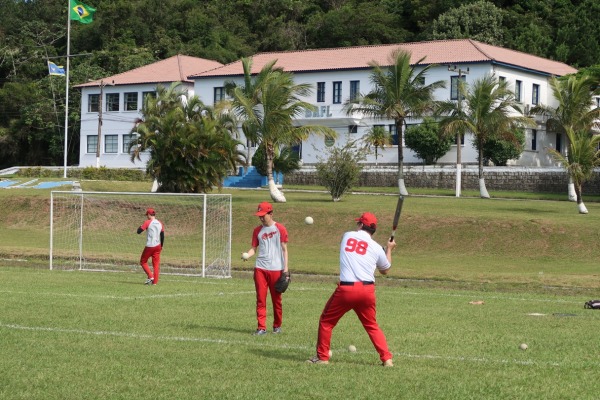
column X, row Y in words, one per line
column 98, row 231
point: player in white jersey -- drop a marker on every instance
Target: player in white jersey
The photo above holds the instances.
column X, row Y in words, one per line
column 360, row 256
column 154, row 244
column 269, row 240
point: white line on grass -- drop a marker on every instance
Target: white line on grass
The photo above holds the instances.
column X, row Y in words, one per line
column 483, row 295
column 261, row 343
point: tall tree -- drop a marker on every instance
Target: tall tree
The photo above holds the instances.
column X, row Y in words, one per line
column 192, row 148
column 581, row 159
column 379, row 138
column 489, row 110
column 399, row 92
column 576, row 110
column 269, row 110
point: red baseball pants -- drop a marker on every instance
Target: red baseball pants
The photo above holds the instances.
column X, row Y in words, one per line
column 361, row 299
column 265, row 281
column 153, row 252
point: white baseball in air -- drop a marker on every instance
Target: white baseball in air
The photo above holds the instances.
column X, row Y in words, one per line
column 523, row 346
column 352, row 348
column 308, row 220
column 330, row 353
column 245, row 256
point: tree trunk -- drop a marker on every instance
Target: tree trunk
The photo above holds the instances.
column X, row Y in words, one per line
column 580, row 205
column 571, row 190
column 275, row 193
column 483, row 193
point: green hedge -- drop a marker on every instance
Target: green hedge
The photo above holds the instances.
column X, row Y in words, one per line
column 92, row 173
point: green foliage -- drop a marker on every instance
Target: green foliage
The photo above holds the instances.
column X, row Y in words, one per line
column 480, row 20
column 90, row 173
column 341, row 170
column 286, row 161
column 378, row 138
column 499, row 150
column 427, row 143
column 191, row 146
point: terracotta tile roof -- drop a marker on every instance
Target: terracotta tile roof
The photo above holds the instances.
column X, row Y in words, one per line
column 172, row 69
column 457, row 51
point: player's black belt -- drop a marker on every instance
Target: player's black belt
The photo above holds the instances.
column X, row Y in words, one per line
column 352, row 283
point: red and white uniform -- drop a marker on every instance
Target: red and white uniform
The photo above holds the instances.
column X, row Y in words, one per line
column 360, row 255
column 270, row 262
column 153, row 248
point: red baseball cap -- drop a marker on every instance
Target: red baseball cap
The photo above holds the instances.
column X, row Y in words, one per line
column 263, row 208
column 367, row 219
column 150, row 211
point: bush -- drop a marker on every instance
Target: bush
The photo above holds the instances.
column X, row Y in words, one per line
column 425, row 141
column 90, row 173
column 341, row 171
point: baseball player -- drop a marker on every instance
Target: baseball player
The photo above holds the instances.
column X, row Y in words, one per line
column 360, row 255
column 270, row 238
column 154, row 244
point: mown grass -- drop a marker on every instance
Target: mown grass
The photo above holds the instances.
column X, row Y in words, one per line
column 76, row 335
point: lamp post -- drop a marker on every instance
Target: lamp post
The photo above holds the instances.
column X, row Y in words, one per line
column 461, row 73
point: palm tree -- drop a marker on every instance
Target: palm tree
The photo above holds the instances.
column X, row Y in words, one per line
column 489, row 110
column 192, row 148
column 399, row 92
column 267, row 107
column 581, row 159
column 576, row 110
column 379, row 138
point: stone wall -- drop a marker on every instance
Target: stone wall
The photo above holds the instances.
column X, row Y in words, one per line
column 548, row 180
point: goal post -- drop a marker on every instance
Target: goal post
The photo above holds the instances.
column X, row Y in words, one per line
column 98, row 231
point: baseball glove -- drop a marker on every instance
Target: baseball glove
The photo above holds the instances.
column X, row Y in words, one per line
column 283, row 282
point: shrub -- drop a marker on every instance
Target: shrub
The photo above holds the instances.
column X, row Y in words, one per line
column 341, row 171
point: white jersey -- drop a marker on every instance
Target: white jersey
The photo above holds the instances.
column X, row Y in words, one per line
column 154, row 228
column 268, row 240
column 359, row 256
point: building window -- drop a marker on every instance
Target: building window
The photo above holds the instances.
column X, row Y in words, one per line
column 93, row 103
column 112, row 102
column 352, row 128
column 518, row 90
column 354, row 90
column 534, row 139
column 454, row 86
column 127, row 139
column 394, row 133
column 535, row 95
column 501, row 78
column 92, row 143
column 320, row 92
column 559, row 142
column 337, row 92
column 219, row 94
column 145, row 96
column 111, row 143
column 131, row 101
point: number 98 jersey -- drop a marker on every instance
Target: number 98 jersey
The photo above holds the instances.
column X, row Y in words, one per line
column 359, row 256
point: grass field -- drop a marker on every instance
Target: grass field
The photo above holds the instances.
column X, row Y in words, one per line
column 87, row 335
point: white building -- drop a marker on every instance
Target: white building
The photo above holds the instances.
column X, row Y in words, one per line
column 337, row 74
column 110, row 107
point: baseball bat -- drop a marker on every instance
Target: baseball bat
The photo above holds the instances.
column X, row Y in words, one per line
column 397, row 216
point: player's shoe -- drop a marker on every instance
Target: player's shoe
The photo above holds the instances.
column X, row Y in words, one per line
column 388, row 363
column 149, row 281
column 277, row 330
column 315, row 360
column 260, row 332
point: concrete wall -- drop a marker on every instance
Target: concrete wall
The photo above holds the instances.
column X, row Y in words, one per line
column 548, row 180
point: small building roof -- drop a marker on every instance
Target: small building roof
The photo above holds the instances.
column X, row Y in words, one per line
column 444, row 52
column 172, row 69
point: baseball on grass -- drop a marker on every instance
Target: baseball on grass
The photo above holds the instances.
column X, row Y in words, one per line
column 308, row 220
column 523, row 346
column 352, row 348
column 245, row 256
column 330, row 353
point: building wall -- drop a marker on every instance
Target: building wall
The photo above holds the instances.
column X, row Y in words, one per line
column 332, row 115
column 115, row 124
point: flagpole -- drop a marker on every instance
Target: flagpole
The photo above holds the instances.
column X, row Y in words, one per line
column 67, row 86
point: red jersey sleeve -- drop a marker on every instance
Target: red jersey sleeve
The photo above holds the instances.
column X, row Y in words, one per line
column 282, row 232
column 255, row 236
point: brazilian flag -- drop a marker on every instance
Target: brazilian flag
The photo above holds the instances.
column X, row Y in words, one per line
column 81, row 12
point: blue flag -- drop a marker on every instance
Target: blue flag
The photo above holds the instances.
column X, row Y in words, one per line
column 56, row 70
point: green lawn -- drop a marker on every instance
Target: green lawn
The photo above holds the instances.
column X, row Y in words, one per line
column 87, row 335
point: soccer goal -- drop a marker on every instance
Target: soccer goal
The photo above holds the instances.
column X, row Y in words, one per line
column 98, row 231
